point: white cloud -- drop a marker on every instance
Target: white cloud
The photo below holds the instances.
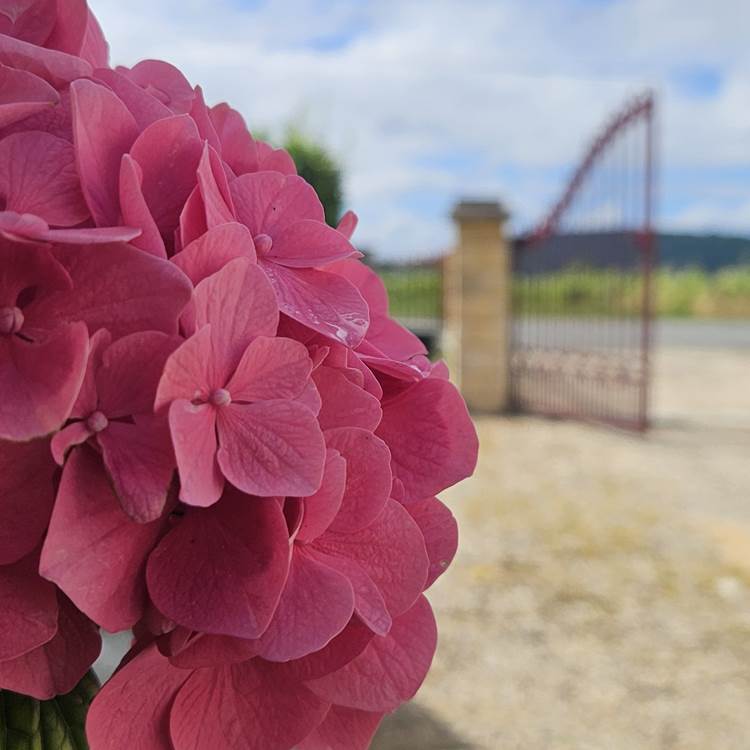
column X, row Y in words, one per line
column 521, row 85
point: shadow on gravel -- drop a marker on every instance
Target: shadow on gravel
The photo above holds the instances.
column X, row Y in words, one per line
column 413, row 727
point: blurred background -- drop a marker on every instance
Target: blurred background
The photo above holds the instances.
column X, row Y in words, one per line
column 557, row 195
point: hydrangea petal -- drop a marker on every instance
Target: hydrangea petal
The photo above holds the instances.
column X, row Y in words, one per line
column 70, row 27
column 391, row 551
column 193, row 429
column 57, row 68
column 144, row 107
column 88, row 399
column 200, row 650
column 239, row 304
column 238, row 148
column 221, row 570
column 94, row 49
column 23, row 94
column 315, row 606
column 202, row 116
column 132, row 709
column 31, row 21
column 89, row 525
column 391, row 668
column 67, row 438
column 99, row 150
column 322, row 507
column 309, row 243
column 271, row 448
column 168, row 174
column 214, row 249
column 55, row 667
column 214, row 188
column 431, row 407
column 343, row 729
column 246, row 706
column 134, row 209
column 38, row 176
column 191, row 372
column 274, row 159
column 339, row 652
column 90, row 235
column 140, row 460
column 165, row 82
column 320, row 300
column 28, row 608
column 268, row 202
column 130, row 371
column 368, row 477
column 347, row 224
column 26, row 496
column 369, row 603
column 440, row 532
column 40, row 381
column 271, row 368
column 345, row 404
column 109, row 290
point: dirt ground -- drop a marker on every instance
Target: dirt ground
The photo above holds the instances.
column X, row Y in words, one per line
column 600, row 599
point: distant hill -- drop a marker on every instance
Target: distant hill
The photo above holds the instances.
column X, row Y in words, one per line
column 707, row 251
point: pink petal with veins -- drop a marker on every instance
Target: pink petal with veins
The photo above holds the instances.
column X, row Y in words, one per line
column 40, row 381
column 132, row 709
column 221, row 570
column 88, row 524
column 271, row 448
column 320, row 300
column 390, row 670
column 316, row 605
column 248, row 706
column 271, row 368
column 140, row 460
column 104, row 130
column 321, row 508
column 38, row 176
column 193, row 430
column 368, row 477
column 135, row 210
column 26, row 496
column 23, row 94
column 239, row 304
column 55, row 667
column 214, row 249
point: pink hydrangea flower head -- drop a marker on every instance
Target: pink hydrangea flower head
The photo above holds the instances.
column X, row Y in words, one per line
column 212, row 433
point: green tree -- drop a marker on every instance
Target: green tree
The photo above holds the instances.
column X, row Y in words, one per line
column 316, row 165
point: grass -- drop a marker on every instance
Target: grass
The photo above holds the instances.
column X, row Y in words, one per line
column 683, row 293
column 414, row 292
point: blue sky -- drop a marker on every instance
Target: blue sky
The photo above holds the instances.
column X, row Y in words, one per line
column 425, row 101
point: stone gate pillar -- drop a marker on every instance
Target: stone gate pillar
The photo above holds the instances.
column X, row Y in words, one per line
column 476, row 305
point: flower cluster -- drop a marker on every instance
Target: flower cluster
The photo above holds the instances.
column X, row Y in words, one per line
column 211, row 432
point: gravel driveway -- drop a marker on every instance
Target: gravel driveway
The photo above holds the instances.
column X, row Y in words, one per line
column 601, row 596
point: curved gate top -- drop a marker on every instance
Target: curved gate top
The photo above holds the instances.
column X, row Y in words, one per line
column 581, row 290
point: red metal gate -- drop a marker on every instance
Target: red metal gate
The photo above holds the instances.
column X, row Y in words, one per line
column 582, row 285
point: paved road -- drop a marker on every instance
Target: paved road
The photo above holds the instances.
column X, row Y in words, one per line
column 724, row 334
column 584, row 333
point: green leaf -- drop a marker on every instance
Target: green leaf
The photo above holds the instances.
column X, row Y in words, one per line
column 57, row 724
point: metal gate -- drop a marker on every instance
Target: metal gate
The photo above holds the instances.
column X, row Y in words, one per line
column 582, row 285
